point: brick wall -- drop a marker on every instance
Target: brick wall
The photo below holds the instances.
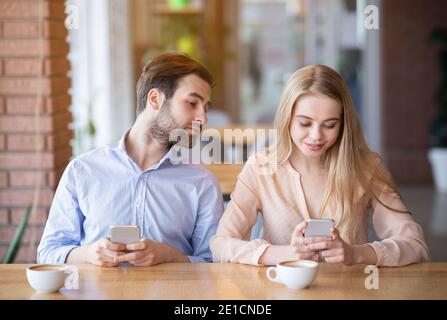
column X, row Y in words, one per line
column 34, row 114
column 410, row 79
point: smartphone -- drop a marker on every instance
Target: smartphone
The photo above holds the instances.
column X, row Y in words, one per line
column 125, row 234
column 319, row 228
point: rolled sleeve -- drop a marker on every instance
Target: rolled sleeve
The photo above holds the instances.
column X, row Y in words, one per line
column 402, row 239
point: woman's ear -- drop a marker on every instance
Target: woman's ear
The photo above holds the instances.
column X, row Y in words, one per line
column 155, row 99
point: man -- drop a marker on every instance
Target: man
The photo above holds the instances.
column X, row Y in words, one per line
column 135, row 182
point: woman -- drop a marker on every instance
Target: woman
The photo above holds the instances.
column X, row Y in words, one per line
column 324, row 169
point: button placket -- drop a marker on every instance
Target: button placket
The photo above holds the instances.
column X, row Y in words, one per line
column 138, row 200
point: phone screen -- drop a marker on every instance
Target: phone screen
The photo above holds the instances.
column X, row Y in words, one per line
column 125, row 234
column 319, row 228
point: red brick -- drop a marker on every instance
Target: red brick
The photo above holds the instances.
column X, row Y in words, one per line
column 57, row 47
column 22, row 48
column 2, row 142
column 27, row 178
column 55, row 9
column 32, row 47
column 27, row 160
column 6, row 234
column 57, row 103
column 54, row 176
column 3, row 179
column 20, row 86
column 27, row 253
column 25, row 197
column 25, row 105
column 27, row 124
column 38, row 216
column 2, row 105
column 19, row 9
column 3, row 249
column 34, row 86
column 20, row 29
column 59, row 139
column 56, row 66
column 55, row 30
column 62, row 157
column 23, row 67
column 1, row 62
column 4, row 216
column 33, row 234
column 26, row 142
column 31, row 9
column 59, row 84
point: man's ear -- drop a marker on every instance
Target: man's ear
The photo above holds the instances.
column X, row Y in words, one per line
column 155, row 99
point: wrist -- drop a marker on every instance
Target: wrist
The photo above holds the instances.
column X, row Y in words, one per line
column 364, row 254
column 79, row 255
column 171, row 255
column 275, row 254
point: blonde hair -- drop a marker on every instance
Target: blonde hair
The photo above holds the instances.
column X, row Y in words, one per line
column 350, row 164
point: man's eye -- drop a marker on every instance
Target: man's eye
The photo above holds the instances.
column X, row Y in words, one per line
column 191, row 103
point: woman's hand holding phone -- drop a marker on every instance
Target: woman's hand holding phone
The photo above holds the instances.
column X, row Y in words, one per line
column 301, row 245
column 333, row 249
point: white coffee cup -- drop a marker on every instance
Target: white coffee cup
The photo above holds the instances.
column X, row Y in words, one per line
column 52, row 277
column 294, row 274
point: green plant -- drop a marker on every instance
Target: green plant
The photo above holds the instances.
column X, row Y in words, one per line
column 182, row 33
column 438, row 132
column 14, row 245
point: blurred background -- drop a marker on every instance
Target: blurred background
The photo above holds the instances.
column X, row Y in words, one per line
column 68, row 71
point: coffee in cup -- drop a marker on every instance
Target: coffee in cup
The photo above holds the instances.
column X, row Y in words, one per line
column 294, row 274
column 52, row 277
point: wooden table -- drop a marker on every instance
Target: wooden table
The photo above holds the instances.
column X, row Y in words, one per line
column 232, row 281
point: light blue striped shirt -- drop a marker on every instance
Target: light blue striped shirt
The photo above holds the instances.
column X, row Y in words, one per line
column 177, row 204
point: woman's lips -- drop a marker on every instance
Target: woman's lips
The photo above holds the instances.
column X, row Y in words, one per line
column 314, row 146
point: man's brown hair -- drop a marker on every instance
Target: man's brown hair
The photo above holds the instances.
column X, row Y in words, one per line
column 164, row 72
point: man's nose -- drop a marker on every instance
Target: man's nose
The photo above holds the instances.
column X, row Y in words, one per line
column 201, row 116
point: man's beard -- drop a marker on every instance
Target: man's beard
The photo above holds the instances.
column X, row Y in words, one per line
column 164, row 124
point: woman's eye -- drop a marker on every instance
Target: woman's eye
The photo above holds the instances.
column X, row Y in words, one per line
column 329, row 126
column 304, row 124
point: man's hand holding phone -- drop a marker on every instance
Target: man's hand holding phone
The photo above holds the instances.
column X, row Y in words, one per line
column 104, row 252
column 148, row 253
column 142, row 252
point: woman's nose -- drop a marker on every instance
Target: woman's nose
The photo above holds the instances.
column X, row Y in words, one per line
column 315, row 133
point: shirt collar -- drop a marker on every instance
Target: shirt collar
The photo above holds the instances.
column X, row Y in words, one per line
column 165, row 160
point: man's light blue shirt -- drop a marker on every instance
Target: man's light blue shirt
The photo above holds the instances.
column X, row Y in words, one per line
column 177, row 204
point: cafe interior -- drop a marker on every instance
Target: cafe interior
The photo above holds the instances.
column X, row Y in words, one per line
column 97, row 50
